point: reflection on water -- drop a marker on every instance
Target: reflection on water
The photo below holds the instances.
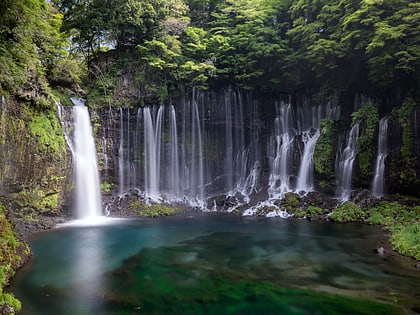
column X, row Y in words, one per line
column 212, row 265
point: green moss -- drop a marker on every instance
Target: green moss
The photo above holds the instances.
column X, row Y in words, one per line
column 348, row 212
column 8, row 258
column 290, row 201
column 324, row 150
column 154, row 210
column 404, row 169
column 106, row 187
column 314, row 211
column 403, row 223
column 261, row 211
column 38, row 198
column 46, row 130
column 166, row 280
column 406, row 238
column 368, row 117
column 299, row 213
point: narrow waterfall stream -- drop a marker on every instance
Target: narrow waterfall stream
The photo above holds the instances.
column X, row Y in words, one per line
column 378, row 180
column 88, row 197
column 305, row 180
column 345, row 164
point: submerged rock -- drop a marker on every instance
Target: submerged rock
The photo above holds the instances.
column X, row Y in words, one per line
column 380, row 250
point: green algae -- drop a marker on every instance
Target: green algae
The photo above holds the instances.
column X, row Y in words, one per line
column 181, row 280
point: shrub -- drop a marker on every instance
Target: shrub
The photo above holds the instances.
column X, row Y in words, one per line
column 406, row 239
column 348, row 212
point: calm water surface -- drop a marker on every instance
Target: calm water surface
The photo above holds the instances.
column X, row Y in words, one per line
column 214, row 264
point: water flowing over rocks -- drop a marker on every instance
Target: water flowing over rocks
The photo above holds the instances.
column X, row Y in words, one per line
column 231, row 150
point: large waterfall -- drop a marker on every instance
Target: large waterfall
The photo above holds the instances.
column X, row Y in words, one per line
column 215, row 144
column 88, row 198
column 345, row 161
column 378, row 180
column 292, row 146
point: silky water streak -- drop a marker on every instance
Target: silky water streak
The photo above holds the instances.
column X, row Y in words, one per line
column 88, row 197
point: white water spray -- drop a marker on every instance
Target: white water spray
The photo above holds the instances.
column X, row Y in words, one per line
column 88, row 197
column 378, row 180
column 345, row 165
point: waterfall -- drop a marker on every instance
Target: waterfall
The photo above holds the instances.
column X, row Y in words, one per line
column 173, row 157
column 305, row 180
column 378, row 180
column 241, row 160
column 152, row 138
column 197, row 170
column 88, row 197
column 279, row 180
column 213, row 145
column 296, row 131
column 228, row 162
column 345, row 164
column 121, row 157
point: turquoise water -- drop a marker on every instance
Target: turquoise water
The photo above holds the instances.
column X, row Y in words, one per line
column 214, row 264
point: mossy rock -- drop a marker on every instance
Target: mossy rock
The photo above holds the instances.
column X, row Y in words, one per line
column 299, row 213
column 406, row 238
column 10, row 259
column 262, row 211
column 154, row 210
column 290, row 201
column 313, row 211
column 348, row 212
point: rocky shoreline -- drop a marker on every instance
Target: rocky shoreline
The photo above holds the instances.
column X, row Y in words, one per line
column 312, row 206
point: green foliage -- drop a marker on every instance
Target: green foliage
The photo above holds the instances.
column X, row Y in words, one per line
column 106, row 187
column 46, row 131
column 38, row 198
column 324, row 149
column 280, row 44
column 387, row 213
column 30, row 46
column 403, row 223
column 348, row 212
column 290, row 201
column 406, row 166
column 313, row 211
column 368, row 118
column 154, row 210
column 406, row 239
column 8, row 258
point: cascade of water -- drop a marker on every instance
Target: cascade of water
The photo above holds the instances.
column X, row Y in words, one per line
column 228, row 127
column 308, row 122
column 305, row 181
column 279, row 180
column 173, row 157
column 228, row 162
column 121, row 158
column 3, row 103
column 152, row 138
column 138, row 147
column 197, row 170
column 378, row 180
column 129, row 163
column 345, row 164
column 88, row 198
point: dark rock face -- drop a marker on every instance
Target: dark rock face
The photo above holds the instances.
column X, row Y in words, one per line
column 227, row 133
column 35, row 168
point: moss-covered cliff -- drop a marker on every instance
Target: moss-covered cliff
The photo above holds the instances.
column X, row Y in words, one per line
column 34, row 165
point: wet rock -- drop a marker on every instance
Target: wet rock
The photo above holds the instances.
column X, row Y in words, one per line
column 364, row 199
column 380, row 250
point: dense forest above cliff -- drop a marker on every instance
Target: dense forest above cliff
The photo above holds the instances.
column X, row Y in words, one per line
column 147, row 50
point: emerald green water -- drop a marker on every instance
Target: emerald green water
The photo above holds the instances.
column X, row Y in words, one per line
column 214, row 264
